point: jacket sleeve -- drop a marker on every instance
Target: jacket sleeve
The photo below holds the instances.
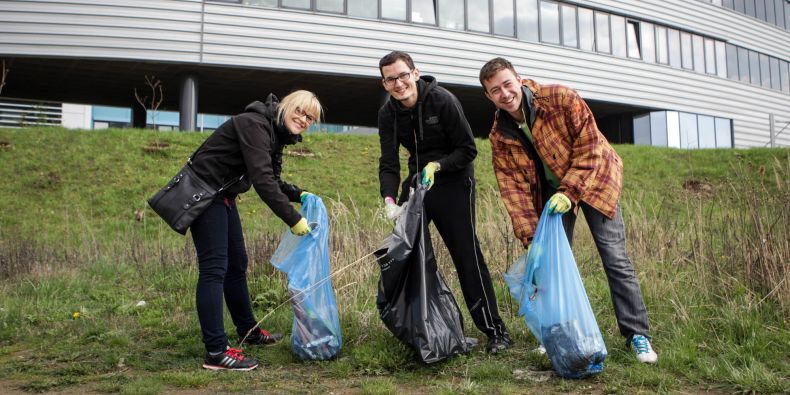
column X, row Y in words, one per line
column 389, row 162
column 460, row 134
column 515, row 193
column 292, row 191
column 586, row 147
column 255, row 144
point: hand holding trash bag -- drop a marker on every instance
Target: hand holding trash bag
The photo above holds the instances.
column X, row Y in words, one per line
column 392, row 210
column 428, row 174
column 559, row 204
column 304, row 195
column 301, row 228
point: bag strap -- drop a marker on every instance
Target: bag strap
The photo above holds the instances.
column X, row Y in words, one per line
column 227, row 184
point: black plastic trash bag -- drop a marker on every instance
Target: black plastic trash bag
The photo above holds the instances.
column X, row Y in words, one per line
column 413, row 300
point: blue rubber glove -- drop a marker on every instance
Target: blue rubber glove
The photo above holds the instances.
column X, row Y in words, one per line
column 428, row 174
column 559, row 204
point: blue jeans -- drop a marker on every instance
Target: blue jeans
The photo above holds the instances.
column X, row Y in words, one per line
column 609, row 237
column 222, row 273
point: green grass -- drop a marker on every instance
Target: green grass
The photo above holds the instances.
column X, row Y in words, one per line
column 70, row 242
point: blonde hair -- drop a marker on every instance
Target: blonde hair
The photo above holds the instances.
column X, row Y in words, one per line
column 302, row 99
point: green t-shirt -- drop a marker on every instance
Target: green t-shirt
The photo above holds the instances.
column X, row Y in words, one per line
column 550, row 177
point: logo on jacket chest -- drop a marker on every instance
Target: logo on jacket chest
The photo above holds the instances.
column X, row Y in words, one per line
column 432, row 120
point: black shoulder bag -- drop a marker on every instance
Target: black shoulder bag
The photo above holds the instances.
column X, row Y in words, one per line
column 185, row 197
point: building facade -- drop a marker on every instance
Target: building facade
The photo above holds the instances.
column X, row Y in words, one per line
column 681, row 73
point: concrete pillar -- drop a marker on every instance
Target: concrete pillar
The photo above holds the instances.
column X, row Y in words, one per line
column 188, row 104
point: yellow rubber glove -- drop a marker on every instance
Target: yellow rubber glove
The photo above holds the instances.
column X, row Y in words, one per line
column 301, row 228
column 303, row 195
column 559, row 203
column 428, row 174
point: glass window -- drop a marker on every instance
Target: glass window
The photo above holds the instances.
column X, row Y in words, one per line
column 662, row 52
column 738, row 6
column 721, row 60
column 787, row 16
column 263, row 3
column 363, row 8
column 770, row 14
column 699, row 54
column 618, row 36
column 422, row 12
column 642, row 129
column 673, row 39
column 732, row 62
column 527, row 14
column 743, row 64
column 648, row 42
column 549, row 22
column 784, row 72
column 723, row 133
column 394, row 9
column 451, row 14
column 707, row 131
column 687, row 52
column 330, row 5
column 673, row 133
column 586, row 30
column 602, row 32
column 749, row 6
column 781, row 17
column 632, row 35
column 688, row 130
column 754, row 67
column 710, row 57
column 760, row 9
column 503, row 18
column 658, row 128
column 297, row 4
column 765, row 72
column 776, row 82
column 569, row 26
column 478, row 15
column 727, row 3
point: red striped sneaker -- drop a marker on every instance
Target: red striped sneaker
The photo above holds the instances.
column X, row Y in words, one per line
column 262, row 337
column 231, row 359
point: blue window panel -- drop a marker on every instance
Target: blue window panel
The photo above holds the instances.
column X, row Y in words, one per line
column 723, row 133
column 688, row 130
column 642, row 129
column 658, row 128
column 707, row 131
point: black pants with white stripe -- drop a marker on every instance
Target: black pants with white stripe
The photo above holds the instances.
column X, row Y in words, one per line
column 451, row 207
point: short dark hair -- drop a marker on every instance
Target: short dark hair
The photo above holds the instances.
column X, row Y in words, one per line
column 393, row 57
column 492, row 67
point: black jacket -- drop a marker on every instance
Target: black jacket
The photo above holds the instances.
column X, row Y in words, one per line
column 434, row 130
column 251, row 143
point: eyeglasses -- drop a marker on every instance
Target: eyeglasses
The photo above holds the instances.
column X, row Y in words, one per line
column 302, row 114
column 402, row 77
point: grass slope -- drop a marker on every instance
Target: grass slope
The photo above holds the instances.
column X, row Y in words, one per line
column 712, row 258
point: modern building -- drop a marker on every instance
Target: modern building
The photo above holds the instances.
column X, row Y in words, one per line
column 682, row 73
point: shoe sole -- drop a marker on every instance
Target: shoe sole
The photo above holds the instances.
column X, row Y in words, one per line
column 216, row 367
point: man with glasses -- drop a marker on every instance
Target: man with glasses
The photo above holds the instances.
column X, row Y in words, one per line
column 428, row 121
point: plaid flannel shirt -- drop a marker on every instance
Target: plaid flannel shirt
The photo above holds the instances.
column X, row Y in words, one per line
column 568, row 141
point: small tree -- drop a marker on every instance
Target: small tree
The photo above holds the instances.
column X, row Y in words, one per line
column 3, row 74
column 151, row 104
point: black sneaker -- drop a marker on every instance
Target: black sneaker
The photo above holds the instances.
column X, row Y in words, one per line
column 262, row 337
column 231, row 359
column 498, row 343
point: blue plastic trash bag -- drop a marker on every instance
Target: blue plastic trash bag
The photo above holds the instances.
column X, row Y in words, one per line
column 554, row 303
column 315, row 334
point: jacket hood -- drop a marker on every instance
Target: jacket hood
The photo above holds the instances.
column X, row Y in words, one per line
column 269, row 110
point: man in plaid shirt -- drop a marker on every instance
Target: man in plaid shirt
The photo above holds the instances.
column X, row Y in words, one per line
column 547, row 149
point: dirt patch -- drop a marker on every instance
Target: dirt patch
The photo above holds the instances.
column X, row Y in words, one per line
column 301, row 152
column 698, row 187
column 156, row 146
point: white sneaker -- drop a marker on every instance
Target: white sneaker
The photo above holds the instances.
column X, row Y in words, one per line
column 644, row 352
column 540, row 350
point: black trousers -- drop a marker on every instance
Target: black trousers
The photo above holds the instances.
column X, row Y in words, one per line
column 222, row 274
column 451, row 207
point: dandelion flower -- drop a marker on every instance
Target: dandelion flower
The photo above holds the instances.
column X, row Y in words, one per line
column 75, row 315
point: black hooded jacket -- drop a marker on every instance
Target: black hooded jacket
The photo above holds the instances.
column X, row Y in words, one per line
column 434, row 130
column 251, row 143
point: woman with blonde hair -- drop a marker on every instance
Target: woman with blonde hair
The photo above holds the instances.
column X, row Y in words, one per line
column 249, row 144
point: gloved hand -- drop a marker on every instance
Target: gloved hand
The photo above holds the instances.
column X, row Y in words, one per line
column 304, row 195
column 559, row 203
column 392, row 210
column 301, row 228
column 428, row 173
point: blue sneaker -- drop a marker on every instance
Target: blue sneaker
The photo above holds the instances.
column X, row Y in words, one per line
column 644, row 352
